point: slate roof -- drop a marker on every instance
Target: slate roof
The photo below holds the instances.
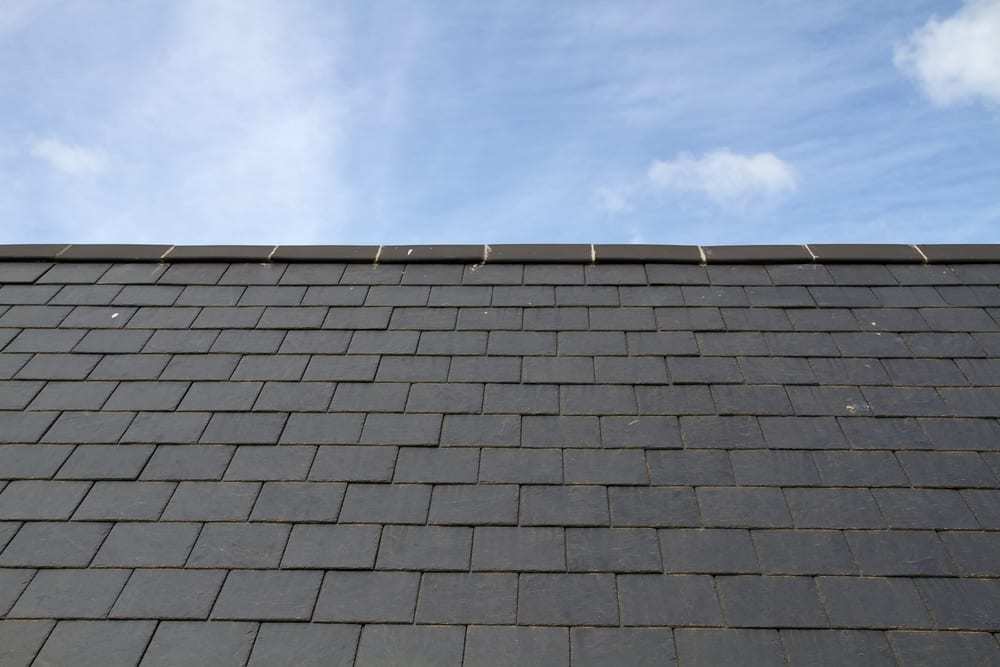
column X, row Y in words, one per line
column 587, row 455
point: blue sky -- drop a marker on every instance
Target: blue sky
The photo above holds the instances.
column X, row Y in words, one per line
column 200, row 121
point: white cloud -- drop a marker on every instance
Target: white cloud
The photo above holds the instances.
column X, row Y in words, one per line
column 68, row 158
column 725, row 176
column 956, row 59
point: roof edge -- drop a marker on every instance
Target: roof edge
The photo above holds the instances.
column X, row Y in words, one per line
column 519, row 253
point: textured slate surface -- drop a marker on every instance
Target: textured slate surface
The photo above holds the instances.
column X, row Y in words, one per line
column 212, row 463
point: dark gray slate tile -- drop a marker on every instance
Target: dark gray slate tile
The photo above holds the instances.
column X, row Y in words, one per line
column 188, row 462
column 803, row 552
column 834, row 508
column 609, row 466
column 924, row 508
column 966, row 604
column 307, row 645
column 493, row 504
column 385, row 503
column 252, row 463
column 244, row 429
column 239, row 545
column 784, row 602
column 410, row 645
column 298, row 501
column 147, row 545
column 340, row 547
column 564, row 506
column 613, row 550
column 54, row 544
column 396, row 429
column 20, row 641
column 166, row 427
column 424, row 548
column 560, row 431
column 96, row 643
column 506, row 646
column 353, row 464
column 678, row 600
column 88, row 427
column 513, row 466
column 975, row 553
column 736, row 507
column 487, row 430
column 467, row 598
column 267, row 595
column 173, row 594
column 837, row 647
column 868, row 602
column 656, row 507
column 900, row 553
column 368, row 597
column 704, row 647
column 929, row 648
column 567, row 599
column 70, row 594
column 322, row 429
column 32, row 461
column 518, row 549
column 709, row 551
column 721, row 432
column 40, row 500
column 211, row 501
column 193, row 642
column 125, row 501
column 622, row 646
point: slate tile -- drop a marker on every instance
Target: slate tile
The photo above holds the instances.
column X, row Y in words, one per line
column 955, row 433
column 31, row 461
column 472, row 505
column 702, row 647
column 556, row 319
column 308, row 273
column 98, row 317
column 564, row 506
column 211, row 501
column 54, row 544
column 181, row 341
column 12, row 584
column 286, row 367
column 689, row 467
column 661, row 343
column 396, row 429
column 884, row 433
column 315, row 342
column 985, row 504
column 103, row 341
column 370, row 397
column 88, row 427
column 353, row 464
column 764, row 467
column 372, row 274
column 631, row 370
column 412, row 369
column 21, row 640
column 248, row 342
column 252, row 463
column 453, row 342
column 500, row 466
column 975, row 553
column 58, row 367
column 434, row 274
column 560, row 431
column 525, row 399
column 72, row 396
column 870, row 602
column 518, row 549
column 294, row 396
column 271, row 296
column 383, row 503
column 617, row 466
column 384, row 342
column 125, row 501
column 966, row 648
column 709, row 551
column 191, row 642
column 45, row 340
column 689, row 319
column 455, row 397
column 437, row 465
column 803, row 552
column 613, row 550
column 305, row 644
column 740, row 507
column 668, row 600
column 147, row 545
column 467, row 598
column 20, row 427
column 900, row 553
column 460, row 295
column 769, row 601
column 424, row 548
column 597, row 400
column 838, row 401
column 493, row 430
column 368, row 597
column 408, row 645
column 298, row 501
column 849, row 371
column 802, row 433
column 968, row 604
column 843, row 647
column 657, row 295
column 41, row 500
column 924, row 508
column 656, row 506
column 540, row 370
column 147, row 295
column 129, row 367
column 761, row 319
column 502, row 646
column 331, row 547
column 947, row 469
column 341, row 295
column 96, row 643
column 702, row 370
column 267, row 595
column 721, row 432
column 244, row 429
column 166, row 427
column 252, row 274
column 519, row 343
column 352, row 317
column 220, row 396
column 751, row 399
column 70, row 593
column 356, row 368
column 729, row 344
column 606, row 646
column 239, row 545
column 169, row 594
column 567, row 599
column 834, row 508
column 845, row 468
column 146, row 396
column 573, row 295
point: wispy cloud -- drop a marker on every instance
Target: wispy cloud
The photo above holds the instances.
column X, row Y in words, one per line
column 725, row 176
column 69, row 158
column 956, row 59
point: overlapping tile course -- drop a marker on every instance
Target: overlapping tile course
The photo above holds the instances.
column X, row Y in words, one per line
column 438, row 463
